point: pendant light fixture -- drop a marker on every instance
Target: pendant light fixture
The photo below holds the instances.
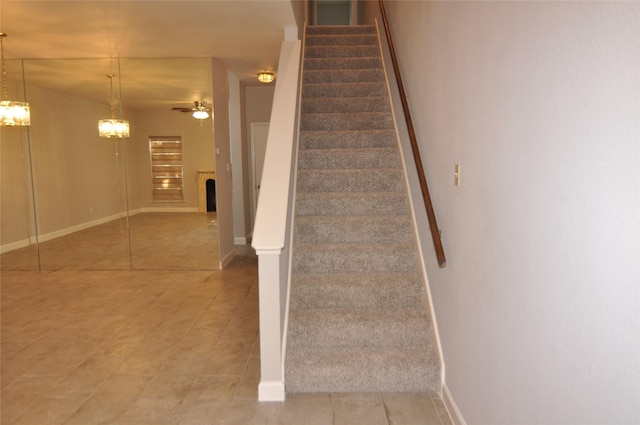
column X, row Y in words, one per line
column 12, row 114
column 266, row 77
column 113, row 128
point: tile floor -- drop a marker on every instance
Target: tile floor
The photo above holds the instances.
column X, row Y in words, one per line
column 157, row 347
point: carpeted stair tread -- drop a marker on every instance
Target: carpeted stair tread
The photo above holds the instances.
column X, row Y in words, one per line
column 347, row 139
column 343, row 76
column 359, row 327
column 361, row 369
column 346, row 121
column 354, row 258
column 342, row 63
column 382, row 180
column 335, row 159
column 357, row 290
column 353, row 229
column 341, row 40
column 345, row 104
column 349, row 203
column 364, row 89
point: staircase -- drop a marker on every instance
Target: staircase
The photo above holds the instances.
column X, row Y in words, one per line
column 358, row 319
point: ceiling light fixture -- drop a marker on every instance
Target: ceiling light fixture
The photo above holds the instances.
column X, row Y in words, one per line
column 200, row 112
column 12, row 113
column 113, row 128
column 266, row 77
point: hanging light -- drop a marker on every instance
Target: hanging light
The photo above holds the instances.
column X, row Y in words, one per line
column 11, row 113
column 200, row 112
column 266, row 77
column 113, row 128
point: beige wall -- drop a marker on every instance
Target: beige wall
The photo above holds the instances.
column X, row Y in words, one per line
column 198, row 154
column 77, row 174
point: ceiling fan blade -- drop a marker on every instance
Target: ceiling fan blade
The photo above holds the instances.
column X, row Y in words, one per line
column 182, row 109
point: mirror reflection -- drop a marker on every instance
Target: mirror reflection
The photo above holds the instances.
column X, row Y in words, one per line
column 144, row 202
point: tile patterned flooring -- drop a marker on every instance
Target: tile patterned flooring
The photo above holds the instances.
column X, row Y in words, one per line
column 149, row 347
column 145, row 241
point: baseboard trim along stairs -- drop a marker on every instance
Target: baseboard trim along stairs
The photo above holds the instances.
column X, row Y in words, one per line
column 358, row 316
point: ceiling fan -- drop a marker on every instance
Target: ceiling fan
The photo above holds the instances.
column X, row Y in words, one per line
column 200, row 110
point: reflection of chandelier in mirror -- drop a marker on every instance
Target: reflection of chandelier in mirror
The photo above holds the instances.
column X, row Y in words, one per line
column 11, row 113
column 113, row 128
column 266, row 77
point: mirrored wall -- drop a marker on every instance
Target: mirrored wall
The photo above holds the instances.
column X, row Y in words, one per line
column 73, row 200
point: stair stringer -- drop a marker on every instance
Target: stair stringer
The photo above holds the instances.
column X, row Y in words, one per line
column 413, row 188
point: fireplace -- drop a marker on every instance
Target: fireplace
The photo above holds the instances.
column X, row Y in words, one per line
column 203, row 199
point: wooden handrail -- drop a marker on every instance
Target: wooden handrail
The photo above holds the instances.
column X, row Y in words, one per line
column 433, row 224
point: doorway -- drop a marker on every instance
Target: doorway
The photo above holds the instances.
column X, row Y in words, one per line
column 334, row 12
column 259, row 134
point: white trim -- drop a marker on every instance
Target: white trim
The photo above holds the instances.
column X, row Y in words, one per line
column 11, row 246
column 240, row 241
column 452, row 408
column 72, row 229
column 271, row 391
column 224, row 262
column 166, row 209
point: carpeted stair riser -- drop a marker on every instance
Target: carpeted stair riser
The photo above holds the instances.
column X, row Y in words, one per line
column 357, row 318
column 345, row 104
column 366, row 290
column 353, row 229
column 343, row 76
column 361, row 327
column 347, row 139
column 311, row 64
column 350, row 180
column 355, row 204
column 340, row 30
column 335, row 159
column 369, row 369
column 342, row 52
column 354, row 258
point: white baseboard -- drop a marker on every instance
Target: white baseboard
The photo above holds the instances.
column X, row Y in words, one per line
column 8, row 247
column 239, row 241
column 67, row 231
column 224, row 262
column 82, row 226
column 271, row 391
column 168, row 209
column 452, row 408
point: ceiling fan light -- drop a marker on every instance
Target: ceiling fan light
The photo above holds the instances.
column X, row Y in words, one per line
column 200, row 114
column 266, row 77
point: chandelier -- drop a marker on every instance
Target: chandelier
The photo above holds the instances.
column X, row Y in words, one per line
column 11, row 113
column 113, row 128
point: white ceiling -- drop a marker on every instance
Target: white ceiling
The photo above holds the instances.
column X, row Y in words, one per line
column 163, row 49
